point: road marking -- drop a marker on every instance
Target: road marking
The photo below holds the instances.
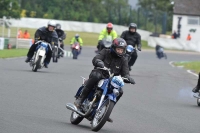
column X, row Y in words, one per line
column 171, row 63
column 189, row 71
column 13, row 58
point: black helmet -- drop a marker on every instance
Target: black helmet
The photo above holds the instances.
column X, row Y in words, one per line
column 58, row 26
column 133, row 26
column 118, row 43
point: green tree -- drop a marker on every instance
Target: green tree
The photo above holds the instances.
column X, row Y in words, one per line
column 9, row 8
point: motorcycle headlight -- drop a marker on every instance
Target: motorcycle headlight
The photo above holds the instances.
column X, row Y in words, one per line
column 77, row 47
column 116, row 92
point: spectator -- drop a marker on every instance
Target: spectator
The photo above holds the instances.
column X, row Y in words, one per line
column 189, row 37
column 174, row 35
column 26, row 35
column 19, row 34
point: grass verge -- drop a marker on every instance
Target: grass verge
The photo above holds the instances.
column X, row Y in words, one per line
column 194, row 65
column 8, row 53
column 89, row 38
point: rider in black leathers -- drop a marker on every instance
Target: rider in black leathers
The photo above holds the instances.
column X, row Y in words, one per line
column 47, row 34
column 61, row 35
column 110, row 58
column 132, row 38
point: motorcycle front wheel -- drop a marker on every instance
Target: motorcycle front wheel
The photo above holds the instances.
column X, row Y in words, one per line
column 55, row 55
column 102, row 115
column 37, row 64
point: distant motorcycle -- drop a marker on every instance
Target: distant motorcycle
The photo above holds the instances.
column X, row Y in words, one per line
column 160, row 53
column 37, row 62
column 76, row 48
column 99, row 104
column 60, row 50
column 106, row 43
column 129, row 50
column 57, row 52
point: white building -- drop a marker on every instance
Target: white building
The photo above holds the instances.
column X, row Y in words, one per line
column 188, row 11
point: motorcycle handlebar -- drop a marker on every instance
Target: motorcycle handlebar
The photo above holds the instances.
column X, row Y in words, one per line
column 126, row 80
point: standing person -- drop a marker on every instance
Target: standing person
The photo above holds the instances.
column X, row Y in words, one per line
column 174, row 35
column 132, row 37
column 47, row 34
column 19, row 34
column 189, row 37
column 26, row 35
column 108, row 31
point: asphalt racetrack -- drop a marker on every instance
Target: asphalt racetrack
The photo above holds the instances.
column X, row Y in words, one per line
column 161, row 101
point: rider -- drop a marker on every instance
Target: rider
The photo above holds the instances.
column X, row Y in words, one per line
column 78, row 39
column 158, row 47
column 112, row 58
column 61, row 35
column 108, row 31
column 47, row 34
column 197, row 88
column 132, row 38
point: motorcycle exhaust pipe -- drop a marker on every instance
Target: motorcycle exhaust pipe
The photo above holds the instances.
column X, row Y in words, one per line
column 72, row 107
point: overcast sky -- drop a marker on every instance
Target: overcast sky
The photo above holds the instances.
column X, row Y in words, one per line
column 133, row 3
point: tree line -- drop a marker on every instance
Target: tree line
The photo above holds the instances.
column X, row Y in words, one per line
column 149, row 14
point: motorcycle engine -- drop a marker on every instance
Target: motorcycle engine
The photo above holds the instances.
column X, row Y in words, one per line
column 86, row 105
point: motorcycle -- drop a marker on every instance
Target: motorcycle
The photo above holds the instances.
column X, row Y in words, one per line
column 160, row 53
column 197, row 96
column 37, row 62
column 61, row 50
column 56, row 52
column 100, row 102
column 76, row 50
column 129, row 50
column 106, row 43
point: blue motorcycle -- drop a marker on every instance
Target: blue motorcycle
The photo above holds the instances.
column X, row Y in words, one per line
column 99, row 104
column 129, row 50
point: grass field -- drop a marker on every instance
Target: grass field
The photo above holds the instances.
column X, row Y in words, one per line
column 194, row 66
column 8, row 53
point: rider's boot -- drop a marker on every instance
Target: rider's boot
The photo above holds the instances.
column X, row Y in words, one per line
column 82, row 97
column 46, row 65
column 197, row 88
column 28, row 59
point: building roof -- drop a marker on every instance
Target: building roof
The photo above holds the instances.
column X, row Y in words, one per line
column 187, row 7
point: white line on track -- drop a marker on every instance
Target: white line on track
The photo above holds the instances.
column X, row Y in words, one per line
column 189, row 71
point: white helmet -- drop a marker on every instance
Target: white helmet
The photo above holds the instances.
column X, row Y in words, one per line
column 52, row 23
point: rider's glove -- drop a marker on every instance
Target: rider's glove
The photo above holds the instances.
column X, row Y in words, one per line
column 100, row 42
column 139, row 47
column 60, row 39
column 130, row 80
column 99, row 63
